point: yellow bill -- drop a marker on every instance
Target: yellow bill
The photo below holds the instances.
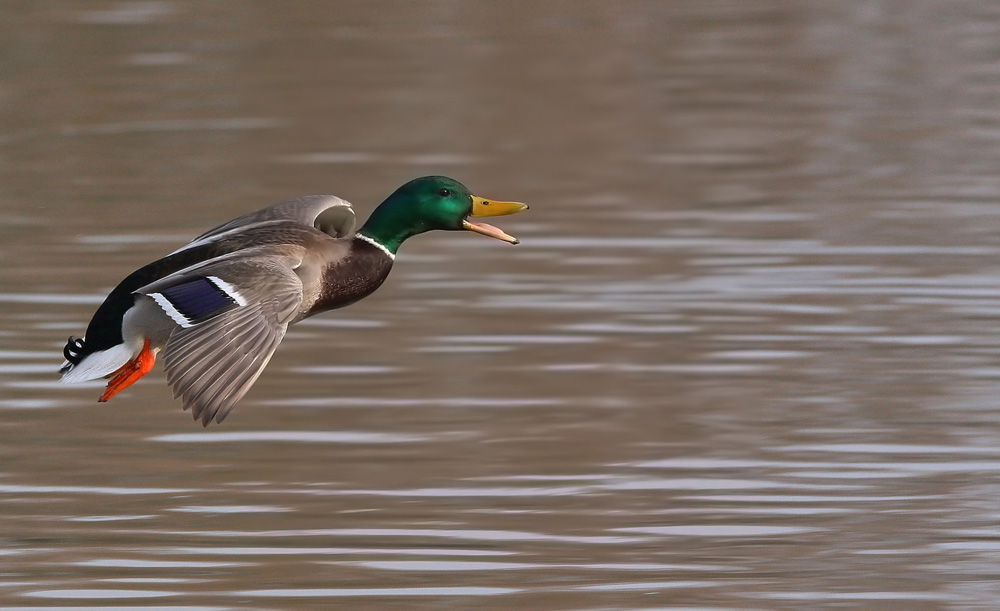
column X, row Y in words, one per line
column 489, row 207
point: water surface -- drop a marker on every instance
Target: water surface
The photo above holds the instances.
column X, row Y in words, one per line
column 744, row 358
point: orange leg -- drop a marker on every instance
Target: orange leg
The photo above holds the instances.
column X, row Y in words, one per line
column 129, row 373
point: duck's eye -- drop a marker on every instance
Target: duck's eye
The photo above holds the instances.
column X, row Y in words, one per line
column 444, row 192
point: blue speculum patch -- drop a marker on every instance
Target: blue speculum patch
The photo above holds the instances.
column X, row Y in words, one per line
column 198, row 299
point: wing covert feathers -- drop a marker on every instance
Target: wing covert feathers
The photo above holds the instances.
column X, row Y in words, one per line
column 211, row 364
column 328, row 213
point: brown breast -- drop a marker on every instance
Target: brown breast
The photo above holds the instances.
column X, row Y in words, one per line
column 355, row 276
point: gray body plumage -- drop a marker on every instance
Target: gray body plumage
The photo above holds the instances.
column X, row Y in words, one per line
column 217, row 321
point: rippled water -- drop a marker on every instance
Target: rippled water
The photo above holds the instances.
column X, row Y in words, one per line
column 744, row 358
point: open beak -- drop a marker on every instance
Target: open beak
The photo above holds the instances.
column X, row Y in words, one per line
column 488, row 207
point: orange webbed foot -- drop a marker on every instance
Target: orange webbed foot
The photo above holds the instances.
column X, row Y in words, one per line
column 129, row 373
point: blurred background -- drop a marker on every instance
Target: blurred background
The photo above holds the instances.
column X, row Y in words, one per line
column 745, row 356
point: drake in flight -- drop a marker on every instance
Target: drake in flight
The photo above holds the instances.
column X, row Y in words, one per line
column 218, row 307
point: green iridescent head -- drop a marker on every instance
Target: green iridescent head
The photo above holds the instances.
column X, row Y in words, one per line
column 433, row 202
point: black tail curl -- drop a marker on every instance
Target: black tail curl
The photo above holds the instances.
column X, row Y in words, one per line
column 75, row 350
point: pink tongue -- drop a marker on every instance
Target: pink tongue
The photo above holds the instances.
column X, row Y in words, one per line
column 493, row 232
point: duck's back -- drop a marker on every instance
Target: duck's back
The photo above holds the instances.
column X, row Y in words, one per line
column 302, row 222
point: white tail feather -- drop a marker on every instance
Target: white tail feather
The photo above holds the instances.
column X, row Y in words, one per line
column 99, row 364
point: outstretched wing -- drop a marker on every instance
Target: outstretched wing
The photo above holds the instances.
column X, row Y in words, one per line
column 231, row 314
column 328, row 213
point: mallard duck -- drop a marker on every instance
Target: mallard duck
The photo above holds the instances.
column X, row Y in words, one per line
column 218, row 307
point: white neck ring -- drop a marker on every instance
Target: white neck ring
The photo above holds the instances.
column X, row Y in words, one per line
column 377, row 245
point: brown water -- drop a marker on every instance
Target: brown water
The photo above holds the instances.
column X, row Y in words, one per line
column 746, row 356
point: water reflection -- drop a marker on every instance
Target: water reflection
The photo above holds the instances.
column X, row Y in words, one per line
column 288, row 436
column 744, row 357
column 379, row 592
